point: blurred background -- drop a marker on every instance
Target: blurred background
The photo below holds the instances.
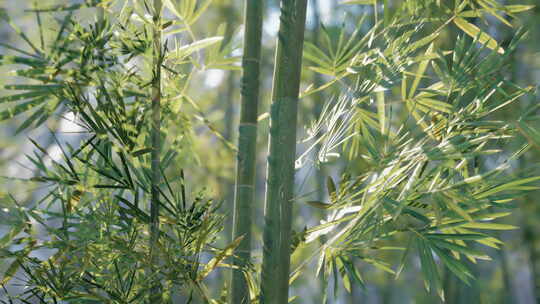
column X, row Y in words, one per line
column 512, row 277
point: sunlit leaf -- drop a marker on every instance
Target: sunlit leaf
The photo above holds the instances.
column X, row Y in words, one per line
column 473, row 31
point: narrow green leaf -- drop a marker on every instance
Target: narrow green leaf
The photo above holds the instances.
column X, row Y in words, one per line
column 18, row 109
column 318, row 204
column 215, row 261
column 473, row 31
column 189, row 49
column 22, row 96
column 455, row 266
column 420, row 72
column 10, row 272
column 488, row 226
column 506, row 187
column 381, row 111
column 517, row 8
column 331, row 187
column 13, row 232
column 458, row 236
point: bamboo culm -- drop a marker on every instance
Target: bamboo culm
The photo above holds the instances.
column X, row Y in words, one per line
column 246, row 163
column 282, row 150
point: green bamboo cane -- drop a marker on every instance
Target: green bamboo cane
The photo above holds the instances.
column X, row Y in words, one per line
column 229, row 15
column 282, row 150
column 245, row 171
column 156, row 145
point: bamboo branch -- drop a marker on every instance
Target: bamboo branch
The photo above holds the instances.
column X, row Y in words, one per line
column 155, row 296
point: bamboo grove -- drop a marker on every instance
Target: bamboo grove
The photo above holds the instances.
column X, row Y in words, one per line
column 389, row 150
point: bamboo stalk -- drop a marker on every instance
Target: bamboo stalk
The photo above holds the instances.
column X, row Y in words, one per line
column 155, row 296
column 282, row 150
column 247, row 142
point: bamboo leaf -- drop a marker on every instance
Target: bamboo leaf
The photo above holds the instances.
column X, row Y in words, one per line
column 318, row 204
column 473, row 31
column 381, row 111
column 513, row 185
column 449, row 236
column 381, row 265
column 420, row 72
column 20, row 108
column 518, row 8
column 13, row 232
column 189, row 49
column 455, row 266
column 429, row 268
column 435, row 104
column 215, row 261
column 488, row 226
column 458, row 248
column 11, row 271
column 331, row 187
column 454, row 206
column 22, row 96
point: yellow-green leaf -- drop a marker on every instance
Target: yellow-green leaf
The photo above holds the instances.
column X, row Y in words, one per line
column 420, row 72
column 459, row 210
column 319, row 205
column 331, row 187
column 473, row 31
column 215, row 261
column 488, row 226
column 189, row 49
column 381, row 111
column 435, row 104
column 517, row 8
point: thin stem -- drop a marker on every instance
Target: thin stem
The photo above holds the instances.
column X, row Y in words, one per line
column 40, row 26
column 156, row 147
column 282, row 150
column 183, row 188
column 247, row 143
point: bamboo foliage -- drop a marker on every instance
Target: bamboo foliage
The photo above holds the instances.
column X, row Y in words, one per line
column 245, row 176
column 281, row 153
column 388, row 199
column 126, row 212
column 414, row 131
